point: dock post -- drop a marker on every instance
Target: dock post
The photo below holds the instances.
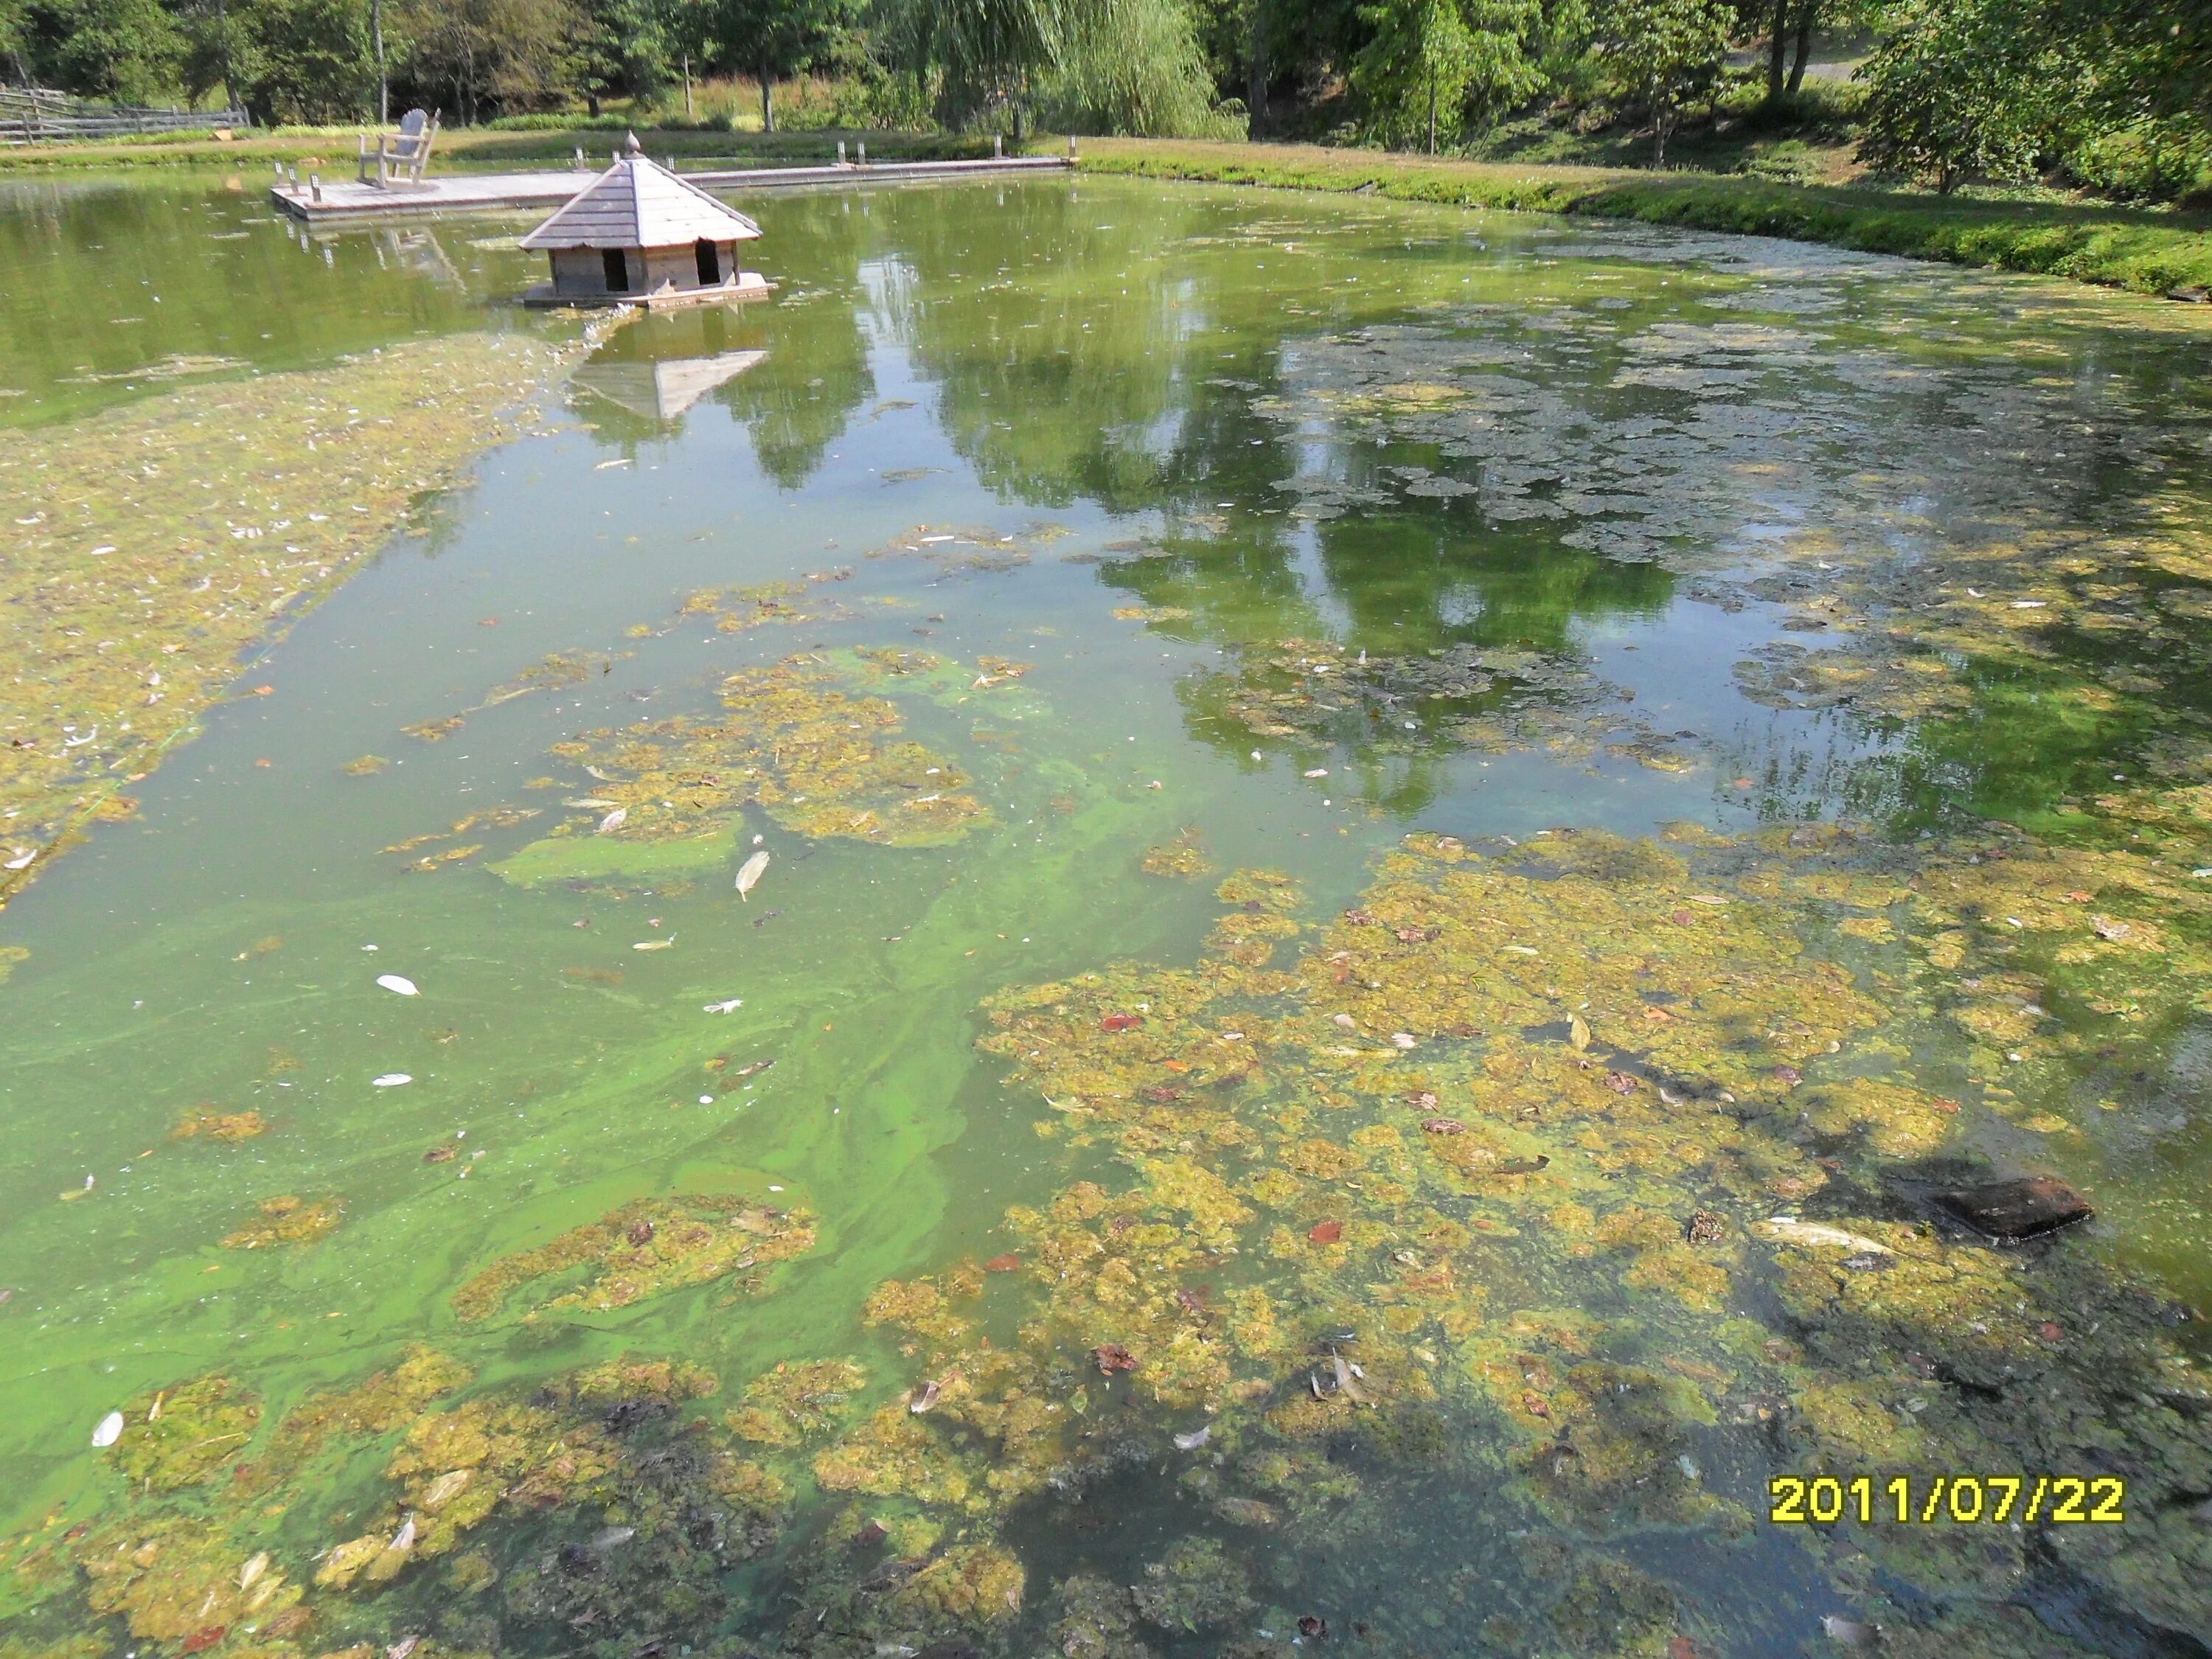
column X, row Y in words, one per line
column 1071, row 148
column 998, row 145
column 315, row 188
column 863, row 145
column 841, row 152
column 579, row 158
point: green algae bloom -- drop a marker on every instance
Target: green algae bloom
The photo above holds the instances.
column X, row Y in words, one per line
column 1353, row 1041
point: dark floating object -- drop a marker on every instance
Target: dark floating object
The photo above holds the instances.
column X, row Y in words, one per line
column 2013, row 1212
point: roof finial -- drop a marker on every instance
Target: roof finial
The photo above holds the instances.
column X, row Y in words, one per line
column 633, row 148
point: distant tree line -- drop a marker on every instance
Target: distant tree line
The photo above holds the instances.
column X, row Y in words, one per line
column 2117, row 92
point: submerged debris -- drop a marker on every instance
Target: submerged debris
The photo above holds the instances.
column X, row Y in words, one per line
column 2013, row 1212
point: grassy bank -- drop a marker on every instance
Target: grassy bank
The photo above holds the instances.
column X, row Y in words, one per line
column 475, row 147
column 2150, row 251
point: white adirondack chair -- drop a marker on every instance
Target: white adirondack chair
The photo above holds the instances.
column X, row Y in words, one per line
column 399, row 157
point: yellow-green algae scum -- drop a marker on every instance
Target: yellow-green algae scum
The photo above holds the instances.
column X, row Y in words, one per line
column 1304, row 1079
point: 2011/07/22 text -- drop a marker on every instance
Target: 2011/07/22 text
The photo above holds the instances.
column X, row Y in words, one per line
column 1959, row 1499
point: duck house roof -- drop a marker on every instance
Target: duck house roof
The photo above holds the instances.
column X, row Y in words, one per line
column 640, row 203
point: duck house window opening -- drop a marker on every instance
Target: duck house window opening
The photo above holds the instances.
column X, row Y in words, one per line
column 617, row 270
column 710, row 264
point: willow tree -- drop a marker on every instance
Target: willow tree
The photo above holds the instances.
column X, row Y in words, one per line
column 1134, row 66
column 979, row 55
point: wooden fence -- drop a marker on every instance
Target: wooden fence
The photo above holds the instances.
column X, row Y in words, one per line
column 32, row 115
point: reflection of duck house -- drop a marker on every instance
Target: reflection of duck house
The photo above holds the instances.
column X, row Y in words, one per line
column 638, row 234
column 663, row 392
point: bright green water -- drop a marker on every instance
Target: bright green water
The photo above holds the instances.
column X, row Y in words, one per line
column 1170, row 380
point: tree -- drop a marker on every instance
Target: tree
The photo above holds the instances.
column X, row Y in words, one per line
column 131, row 50
column 290, row 60
column 626, row 47
column 508, row 53
column 1954, row 92
column 773, row 38
column 16, row 39
column 981, row 56
column 1664, row 53
column 1134, row 66
column 1430, row 59
column 1422, row 54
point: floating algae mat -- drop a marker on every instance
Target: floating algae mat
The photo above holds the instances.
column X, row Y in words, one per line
column 1216, row 924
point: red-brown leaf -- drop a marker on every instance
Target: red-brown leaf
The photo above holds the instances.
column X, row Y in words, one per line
column 1327, row 1232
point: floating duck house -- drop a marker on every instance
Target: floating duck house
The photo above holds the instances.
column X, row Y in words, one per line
column 637, row 234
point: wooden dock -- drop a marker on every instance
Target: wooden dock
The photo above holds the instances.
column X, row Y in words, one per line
column 325, row 202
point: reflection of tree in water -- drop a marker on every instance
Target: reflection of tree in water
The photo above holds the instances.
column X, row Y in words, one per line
column 1065, row 352
column 1444, row 626
column 801, row 399
column 1428, row 467
column 1134, row 364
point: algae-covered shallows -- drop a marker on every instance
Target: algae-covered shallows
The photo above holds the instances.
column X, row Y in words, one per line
column 1413, row 884
column 155, row 545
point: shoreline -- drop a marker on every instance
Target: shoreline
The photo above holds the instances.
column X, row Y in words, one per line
column 2092, row 243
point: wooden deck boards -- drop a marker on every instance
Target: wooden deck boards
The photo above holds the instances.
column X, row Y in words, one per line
column 345, row 202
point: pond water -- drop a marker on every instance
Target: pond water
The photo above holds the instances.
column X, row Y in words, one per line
column 1406, row 851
